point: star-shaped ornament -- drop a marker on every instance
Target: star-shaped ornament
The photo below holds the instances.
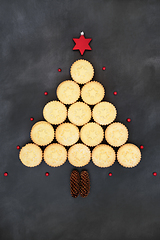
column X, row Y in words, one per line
column 82, row 43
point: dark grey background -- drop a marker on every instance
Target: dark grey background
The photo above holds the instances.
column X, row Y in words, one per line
column 36, row 40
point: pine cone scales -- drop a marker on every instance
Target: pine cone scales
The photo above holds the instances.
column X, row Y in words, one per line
column 84, row 184
column 75, row 183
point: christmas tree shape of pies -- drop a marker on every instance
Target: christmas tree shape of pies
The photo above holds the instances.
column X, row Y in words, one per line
column 80, row 120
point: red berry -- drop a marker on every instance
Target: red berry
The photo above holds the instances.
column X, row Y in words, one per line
column 45, row 93
column 31, row 118
column 103, row 68
column 141, row 147
column 47, row 174
column 128, row 120
column 115, row 93
column 110, row 174
column 154, row 174
column 5, row 174
column 18, row 147
column 59, row 70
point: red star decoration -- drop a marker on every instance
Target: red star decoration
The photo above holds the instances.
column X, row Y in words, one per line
column 82, row 43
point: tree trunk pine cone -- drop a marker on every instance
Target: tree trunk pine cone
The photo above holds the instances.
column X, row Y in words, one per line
column 79, row 183
column 84, row 184
column 75, row 183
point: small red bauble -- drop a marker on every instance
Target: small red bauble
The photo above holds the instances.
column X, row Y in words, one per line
column 59, row 70
column 141, row 147
column 18, row 147
column 31, row 118
column 115, row 93
column 5, row 174
column 128, row 120
column 110, row 174
column 103, row 68
column 46, row 93
column 154, row 174
column 47, row 174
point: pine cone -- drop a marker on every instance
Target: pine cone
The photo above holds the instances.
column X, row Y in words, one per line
column 84, row 184
column 74, row 183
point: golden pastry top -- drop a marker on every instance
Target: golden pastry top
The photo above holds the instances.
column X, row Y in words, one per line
column 116, row 134
column 91, row 134
column 129, row 155
column 79, row 155
column 82, row 71
column 67, row 134
column 104, row 113
column 103, row 155
column 55, row 112
column 79, row 113
column 68, row 92
column 55, row 155
column 42, row 133
column 92, row 92
column 30, row 155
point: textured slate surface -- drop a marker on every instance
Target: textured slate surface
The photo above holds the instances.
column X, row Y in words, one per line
column 36, row 39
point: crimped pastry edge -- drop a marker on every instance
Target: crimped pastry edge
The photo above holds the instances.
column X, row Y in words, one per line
column 124, row 165
column 51, row 103
column 34, row 145
column 78, row 95
column 85, row 125
column 90, row 112
column 65, row 157
column 41, row 144
column 75, row 63
column 89, row 152
column 112, row 144
column 101, row 166
column 56, row 135
column 103, row 123
column 98, row 101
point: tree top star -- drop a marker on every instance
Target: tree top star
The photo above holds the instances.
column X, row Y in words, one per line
column 82, row 43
